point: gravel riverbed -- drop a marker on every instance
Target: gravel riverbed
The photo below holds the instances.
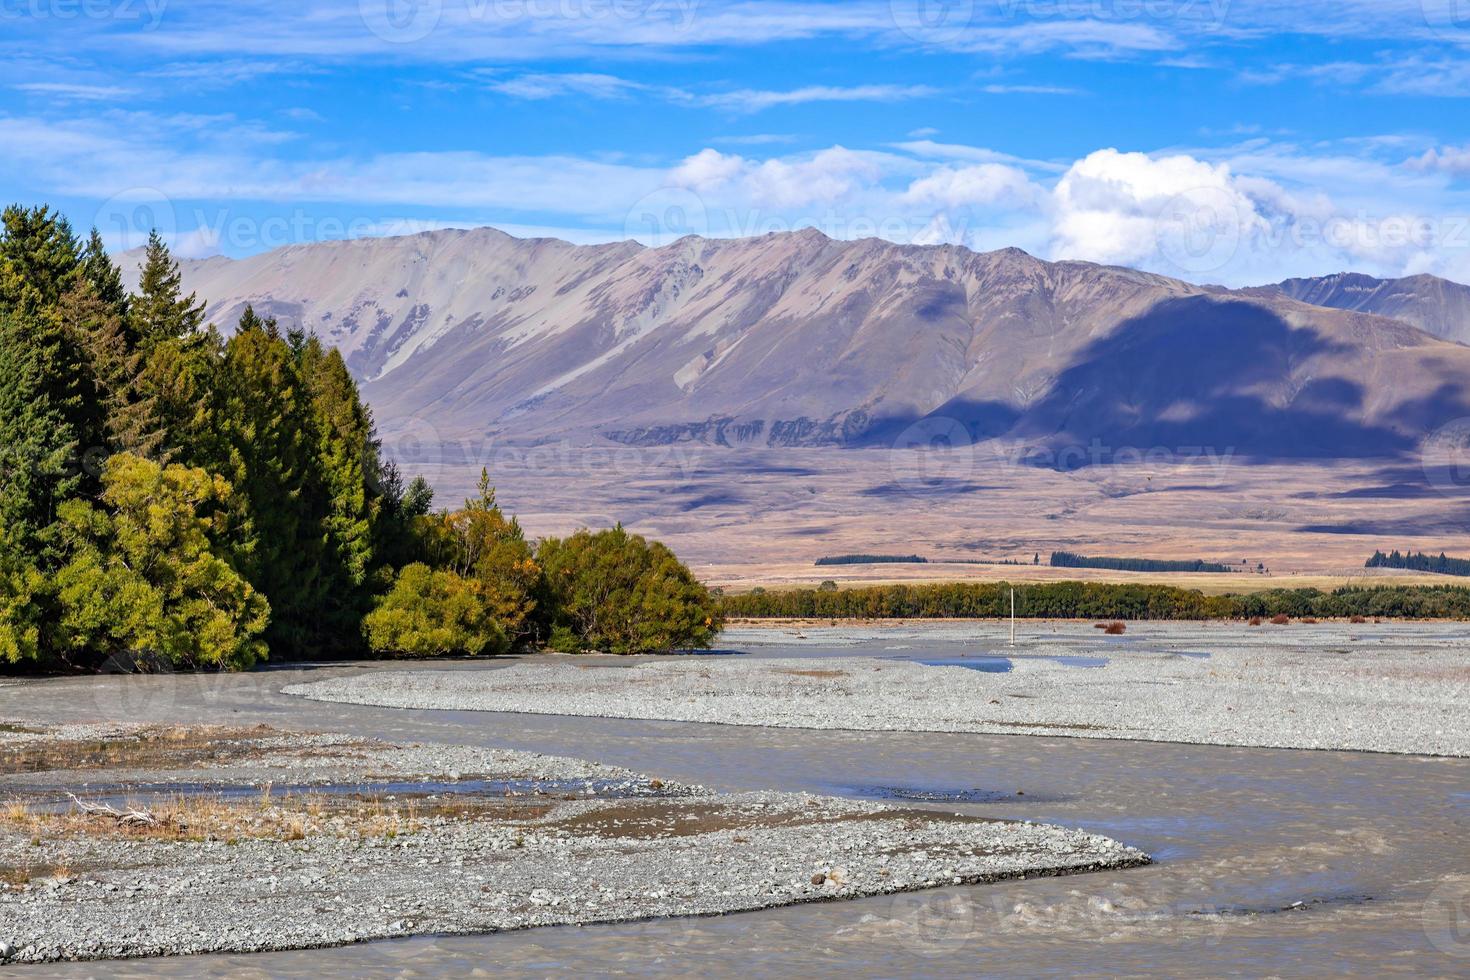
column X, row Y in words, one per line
column 1257, row 691
column 553, row 841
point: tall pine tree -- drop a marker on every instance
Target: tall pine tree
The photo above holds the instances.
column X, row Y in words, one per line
column 39, row 259
column 160, row 311
column 343, row 452
column 41, row 406
column 265, row 417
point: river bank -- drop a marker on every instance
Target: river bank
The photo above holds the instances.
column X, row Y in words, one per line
column 1400, row 688
column 125, row 841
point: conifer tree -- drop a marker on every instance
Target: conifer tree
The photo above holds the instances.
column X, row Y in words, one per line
column 39, row 259
column 265, row 419
column 123, row 417
column 343, row 449
column 160, row 311
column 104, row 275
column 40, row 405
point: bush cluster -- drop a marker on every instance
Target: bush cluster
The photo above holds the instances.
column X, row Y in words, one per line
column 1097, row 601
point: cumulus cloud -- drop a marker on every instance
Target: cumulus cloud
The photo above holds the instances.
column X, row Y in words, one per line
column 981, row 184
column 822, row 177
column 1132, row 208
column 707, row 169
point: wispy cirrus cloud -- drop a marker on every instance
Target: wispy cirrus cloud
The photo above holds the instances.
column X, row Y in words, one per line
column 755, row 100
column 998, row 89
column 539, row 86
column 591, row 85
column 78, row 92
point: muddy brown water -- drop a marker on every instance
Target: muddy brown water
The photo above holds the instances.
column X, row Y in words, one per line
column 1269, row 862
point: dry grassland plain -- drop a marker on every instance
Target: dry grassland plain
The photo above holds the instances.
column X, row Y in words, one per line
column 745, row 517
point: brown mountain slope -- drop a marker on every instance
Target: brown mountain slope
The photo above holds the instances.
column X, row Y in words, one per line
column 1435, row 305
column 797, row 339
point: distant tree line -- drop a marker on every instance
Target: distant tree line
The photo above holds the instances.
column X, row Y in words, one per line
column 873, row 560
column 1096, row 600
column 1066, row 559
column 170, row 497
column 1420, row 562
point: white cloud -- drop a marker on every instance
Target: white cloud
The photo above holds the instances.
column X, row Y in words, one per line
column 547, row 86
column 755, row 139
column 1132, row 209
column 823, row 177
column 980, row 184
column 73, row 91
column 1030, row 90
column 707, row 169
column 1454, row 160
column 755, row 100
column 1252, row 212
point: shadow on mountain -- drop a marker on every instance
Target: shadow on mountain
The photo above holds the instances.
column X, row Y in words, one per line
column 1200, row 377
column 1395, row 491
column 925, row 488
column 1455, row 522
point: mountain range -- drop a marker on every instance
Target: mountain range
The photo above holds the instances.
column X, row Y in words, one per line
column 798, row 339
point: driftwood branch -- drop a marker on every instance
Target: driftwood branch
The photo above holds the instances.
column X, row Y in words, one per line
column 127, row 818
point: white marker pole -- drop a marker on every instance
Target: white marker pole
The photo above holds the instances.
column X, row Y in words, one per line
column 1013, row 616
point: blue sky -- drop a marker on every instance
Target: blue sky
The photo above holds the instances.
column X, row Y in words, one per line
column 1233, row 141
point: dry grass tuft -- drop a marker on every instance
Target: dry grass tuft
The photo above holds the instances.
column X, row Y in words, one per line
column 1280, row 619
column 1358, row 619
column 1255, row 621
column 1115, row 629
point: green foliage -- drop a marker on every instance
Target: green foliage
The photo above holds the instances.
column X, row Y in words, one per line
column 247, row 504
column 148, row 572
column 40, row 406
column 873, row 560
column 118, row 413
column 22, row 605
column 434, row 612
column 160, row 311
column 343, row 453
column 39, row 259
column 615, row 592
column 480, row 542
column 1441, row 564
column 1093, row 600
column 265, row 420
column 1066, row 559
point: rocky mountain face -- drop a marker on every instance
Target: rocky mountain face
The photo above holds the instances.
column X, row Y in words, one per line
column 797, row 339
column 1435, row 305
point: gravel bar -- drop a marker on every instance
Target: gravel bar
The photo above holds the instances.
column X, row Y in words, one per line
column 651, row 849
column 1302, row 696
